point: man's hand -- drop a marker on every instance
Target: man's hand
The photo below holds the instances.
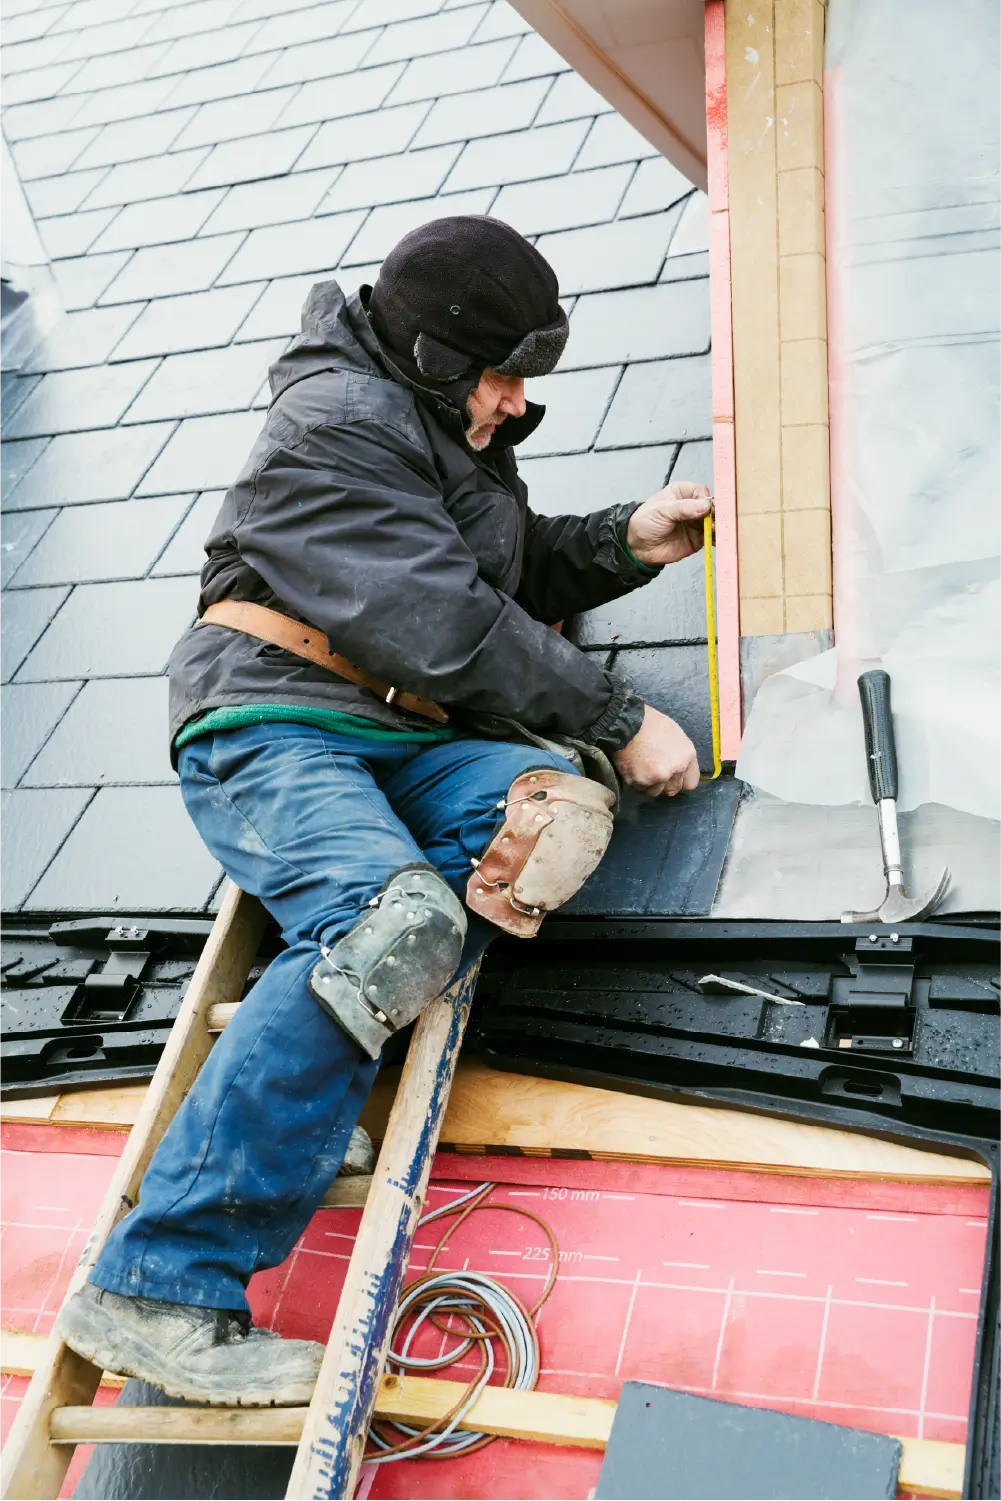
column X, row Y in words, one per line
column 659, row 759
column 668, row 526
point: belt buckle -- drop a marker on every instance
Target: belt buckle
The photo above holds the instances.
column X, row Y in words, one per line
column 391, row 695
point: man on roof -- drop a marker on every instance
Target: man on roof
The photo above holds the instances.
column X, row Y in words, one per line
column 380, row 734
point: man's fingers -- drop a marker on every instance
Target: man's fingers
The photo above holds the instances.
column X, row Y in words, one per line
column 691, row 776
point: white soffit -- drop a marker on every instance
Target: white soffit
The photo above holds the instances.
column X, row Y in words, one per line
column 647, row 57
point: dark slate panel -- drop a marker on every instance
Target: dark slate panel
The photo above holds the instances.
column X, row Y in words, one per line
column 279, row 310
column 666, row 855
column 14, row 391
column 83, row 338
column 184, row 1472
column 575, row 405
column 185, row 553
column 28, row 713
column 205, row 453
column 686, row 267
column 82, row 467
column 19, row 531
column 613, row 140
column 659, row 402
column 671, row 607
column 115, row 731
column 695, row 463
column 73, row 400
column 656, row 186
column 675, row 680
column 17, row 460
column 213, row 380
column 103, row 865
column 644, row 323
column 562, row 202
column 25, row 616
column 671, row 1444
column 119, row 539
column 625, row 254
column 110, row 630
column 493, row 160
column 34, row 826
column 575, row 484
column 201, row 320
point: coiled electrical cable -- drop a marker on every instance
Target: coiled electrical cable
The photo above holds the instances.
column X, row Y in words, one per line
column 486, row 1312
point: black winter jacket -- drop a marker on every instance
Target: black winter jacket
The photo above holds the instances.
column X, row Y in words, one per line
column 363, row 511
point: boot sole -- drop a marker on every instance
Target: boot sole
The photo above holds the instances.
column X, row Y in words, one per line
column 113, row 1349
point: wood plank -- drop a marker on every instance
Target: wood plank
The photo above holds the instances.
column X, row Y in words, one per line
column 928, row 1467
column 21, row 1355
column 490, row 1109
column 32, row 1466
column 333, row 1441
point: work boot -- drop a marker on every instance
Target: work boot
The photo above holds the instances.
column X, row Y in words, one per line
column 210, row 1355
column 359, row 1159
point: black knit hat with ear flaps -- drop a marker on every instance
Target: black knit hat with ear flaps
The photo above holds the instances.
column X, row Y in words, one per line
column 469, row 292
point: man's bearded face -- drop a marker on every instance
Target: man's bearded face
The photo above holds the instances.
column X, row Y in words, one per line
column 495, row 398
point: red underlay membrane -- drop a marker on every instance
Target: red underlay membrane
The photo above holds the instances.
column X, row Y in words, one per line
column 851, row 1302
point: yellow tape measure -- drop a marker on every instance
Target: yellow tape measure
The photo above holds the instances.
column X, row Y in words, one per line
column 707, row 552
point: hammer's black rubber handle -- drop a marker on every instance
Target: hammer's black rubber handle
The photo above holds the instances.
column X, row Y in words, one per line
column 880, row 746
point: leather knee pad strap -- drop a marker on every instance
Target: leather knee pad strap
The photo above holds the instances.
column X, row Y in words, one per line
column 397, row 958
column 556, row 829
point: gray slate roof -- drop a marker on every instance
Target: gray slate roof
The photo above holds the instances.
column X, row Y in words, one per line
column 193, row 168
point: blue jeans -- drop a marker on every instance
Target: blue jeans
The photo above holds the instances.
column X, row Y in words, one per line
column 313, row 824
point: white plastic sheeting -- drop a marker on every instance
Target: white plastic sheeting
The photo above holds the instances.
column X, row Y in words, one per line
column 911, row 119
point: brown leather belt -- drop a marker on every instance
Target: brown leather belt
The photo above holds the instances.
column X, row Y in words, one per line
column 307, row 642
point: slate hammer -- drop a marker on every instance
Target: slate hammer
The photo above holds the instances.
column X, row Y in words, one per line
column 881, row 755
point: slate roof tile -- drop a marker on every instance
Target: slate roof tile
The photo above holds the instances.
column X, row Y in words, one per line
column 185, row 553
column 39, row 53
column 501, row 20
column 44, row 156
column 184, row 19
column 574, row 484
column 626, row 253
column 284, row 249
column 88, row 748
column 163, row 270
column 377, row 12
column 249, row 10
column 533, row 59
column 132, row 183
column 74, row 234
column 212, row 380
column 314, row 24
column 207, row 48
column 665, row 399
column 109, row 630
column 686, row 267
column 127, row 101
column 384, row 226
column 406, row 39
column 25, row 617
column 41, row 83
column 200, row 320
column 346, row 94
column 570, row 98
column 692, row 234
column 73, row 400
column 472, row 67
column 114, row 68
column 316, row 59
column 575, row 405
column 40, row 117
column 232, row 119
column 19, row 531
column 391, row 178
column 158, row 221
column 92, row 13
column 205, row 453
column 276, row 311
column 518, row 157
column 656, row 186
column 119, row 539
column 224, row 80
column 254, row 157
column 35, row 825
column 103, row 867
column 78, row 468
column 98, row 41
column 128, row 140
column 467, row 116
column 670, row 608
column 63, row 194
column 30, row 712
column 355, row 137
column 695, row 463
column 577, row 198
column 645, row 323
column 613, row 139
column 17, row 460
column 29, row 25
column 83, row 338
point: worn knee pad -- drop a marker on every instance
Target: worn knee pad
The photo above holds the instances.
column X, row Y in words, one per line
column 398, row 957
column 556, row 829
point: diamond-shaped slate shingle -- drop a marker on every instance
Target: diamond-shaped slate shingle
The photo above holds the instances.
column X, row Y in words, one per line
column 194, row 168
